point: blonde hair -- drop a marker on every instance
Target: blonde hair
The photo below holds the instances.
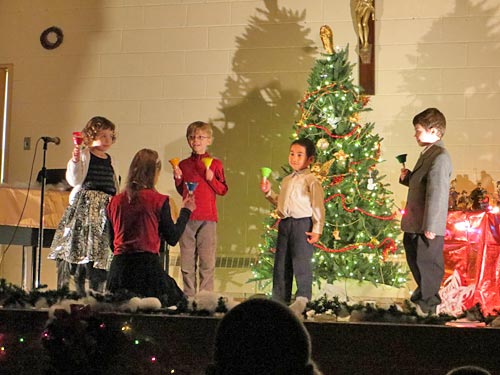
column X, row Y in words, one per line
column 199, row 125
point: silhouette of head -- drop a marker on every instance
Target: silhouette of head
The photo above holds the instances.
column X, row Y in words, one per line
column 469, row 370
column 260, row 336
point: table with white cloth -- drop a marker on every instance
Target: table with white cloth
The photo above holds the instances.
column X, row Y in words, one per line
column 20, row 223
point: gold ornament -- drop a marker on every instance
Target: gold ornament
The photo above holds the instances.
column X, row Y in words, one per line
column 340, row 155
column 336, row 234
column 326, row 34
column 300, row 124
column 315, row 168
column 354, row 117
column 275, row 215
column 365, row 99
column 374, row 241
column 322, row 144
column 321, row 171
column 325, row 168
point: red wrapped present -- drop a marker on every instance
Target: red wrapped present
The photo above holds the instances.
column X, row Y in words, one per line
column 472, row 262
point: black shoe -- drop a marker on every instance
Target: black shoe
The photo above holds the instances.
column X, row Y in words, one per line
column 416, row 295
column 425, row 311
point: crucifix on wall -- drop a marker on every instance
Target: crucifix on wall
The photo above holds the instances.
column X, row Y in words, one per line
column 363, row 12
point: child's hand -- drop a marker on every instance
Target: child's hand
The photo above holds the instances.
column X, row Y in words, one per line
column 265, row 186
column 209, row 174
column 312, row 237
column 404, row 173
column 177, row 173
column 76, row 154
column 189, row 202
column 430, row 235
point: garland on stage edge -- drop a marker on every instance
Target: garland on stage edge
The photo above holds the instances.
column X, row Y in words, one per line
column 332, row 309
column 204, row 304
column 64, row 302
column 79, row 339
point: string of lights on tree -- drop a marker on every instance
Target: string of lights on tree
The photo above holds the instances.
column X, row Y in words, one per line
column 360, row 238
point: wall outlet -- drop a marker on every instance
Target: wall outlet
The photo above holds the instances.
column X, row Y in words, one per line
column 27, row 143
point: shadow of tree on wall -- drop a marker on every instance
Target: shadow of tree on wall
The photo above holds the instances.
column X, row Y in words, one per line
column 440, row 74
column 258, row 109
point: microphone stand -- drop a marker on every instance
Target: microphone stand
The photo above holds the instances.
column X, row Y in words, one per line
column 37, row 265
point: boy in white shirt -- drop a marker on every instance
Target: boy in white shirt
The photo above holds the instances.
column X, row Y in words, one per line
column 300, row 206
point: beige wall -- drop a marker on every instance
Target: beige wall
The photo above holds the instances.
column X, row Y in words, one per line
column 153, row 66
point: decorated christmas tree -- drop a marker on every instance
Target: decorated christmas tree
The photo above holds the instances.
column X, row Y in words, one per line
column 359, row 240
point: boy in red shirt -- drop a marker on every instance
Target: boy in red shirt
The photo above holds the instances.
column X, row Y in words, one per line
column 199, row 240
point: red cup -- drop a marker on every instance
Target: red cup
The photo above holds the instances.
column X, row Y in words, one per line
column 77, row 138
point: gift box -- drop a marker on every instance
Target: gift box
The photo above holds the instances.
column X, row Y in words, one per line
column 472, row 262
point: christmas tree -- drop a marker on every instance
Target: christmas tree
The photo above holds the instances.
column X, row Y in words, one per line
column 361, row 227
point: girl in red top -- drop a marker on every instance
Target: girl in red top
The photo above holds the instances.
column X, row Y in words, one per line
column 138, row 217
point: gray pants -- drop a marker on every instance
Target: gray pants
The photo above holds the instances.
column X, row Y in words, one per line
column 293, row 256
column 426, row 261
column 198, row 244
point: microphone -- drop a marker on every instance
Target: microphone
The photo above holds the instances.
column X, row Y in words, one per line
column 55, row 140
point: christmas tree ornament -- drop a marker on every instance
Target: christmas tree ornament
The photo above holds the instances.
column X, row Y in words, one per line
column 354, row 118
column 336, row 234
column 365, row 99
column 371, row 185
column 322, row 144
column 340, row 155
column 315, row 168
column 275, row 215
column 341, row 160
column 333, row 122
column 325, row 168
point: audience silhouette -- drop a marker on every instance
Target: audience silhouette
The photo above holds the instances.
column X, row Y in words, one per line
column 261, row 336
column 468, row 370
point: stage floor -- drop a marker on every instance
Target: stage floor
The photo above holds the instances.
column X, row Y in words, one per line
column 183, row 344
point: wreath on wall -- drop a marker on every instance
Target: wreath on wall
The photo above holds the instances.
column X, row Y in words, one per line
column 51, row 38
